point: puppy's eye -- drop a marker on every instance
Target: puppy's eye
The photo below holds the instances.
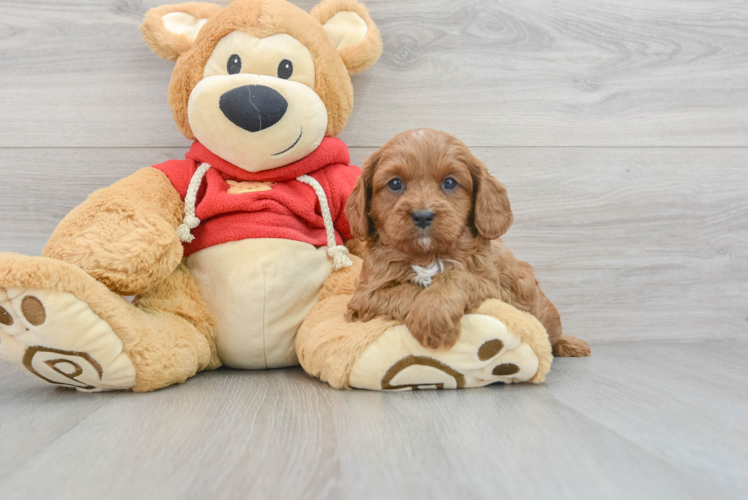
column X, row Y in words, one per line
column 234, row 65
column 449, row 184
column 285, row 69
column 395, row 185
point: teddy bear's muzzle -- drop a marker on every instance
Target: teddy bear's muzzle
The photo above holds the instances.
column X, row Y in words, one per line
column 253, row 107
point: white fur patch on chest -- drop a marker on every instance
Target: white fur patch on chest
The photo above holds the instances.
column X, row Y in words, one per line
column 424, row 275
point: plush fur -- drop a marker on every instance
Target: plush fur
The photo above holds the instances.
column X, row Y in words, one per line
column 359, row 57
column 262, row 19
column 123, row 239
column 168, row 334
column 528, row 327
column 326, row 345
column 123, row 235
column 329, row 347
column 468, row 220
column 168, row 45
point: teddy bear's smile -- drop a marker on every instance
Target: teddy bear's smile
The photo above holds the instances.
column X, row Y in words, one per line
column 264, row 90
column 257, row 105
column 301, row 133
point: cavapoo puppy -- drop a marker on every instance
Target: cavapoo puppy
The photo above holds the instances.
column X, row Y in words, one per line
column 431, row 215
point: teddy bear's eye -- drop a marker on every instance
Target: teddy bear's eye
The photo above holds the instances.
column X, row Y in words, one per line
column 285, row 69
column 234, row 65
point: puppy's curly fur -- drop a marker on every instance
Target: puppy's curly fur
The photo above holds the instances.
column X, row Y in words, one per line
column 428, row 171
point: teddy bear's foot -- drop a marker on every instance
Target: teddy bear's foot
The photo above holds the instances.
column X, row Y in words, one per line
column 57, row 338
column 487, row 352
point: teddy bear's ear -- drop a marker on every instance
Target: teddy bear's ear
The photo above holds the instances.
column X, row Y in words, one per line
column 352, row 31
column 170, row 30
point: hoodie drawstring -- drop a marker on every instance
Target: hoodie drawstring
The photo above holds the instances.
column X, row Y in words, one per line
column 338, row 253
column 190, row 199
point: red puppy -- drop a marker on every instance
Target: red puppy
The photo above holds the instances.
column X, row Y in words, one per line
column 431, row 215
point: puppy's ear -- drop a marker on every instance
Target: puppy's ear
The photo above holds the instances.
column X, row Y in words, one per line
column 170, row 30
column 352, row 31
column 359, row 203
column 492, row 213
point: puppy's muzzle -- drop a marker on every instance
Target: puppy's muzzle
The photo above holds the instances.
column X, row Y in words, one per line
column 422, row 218
column 253, row 107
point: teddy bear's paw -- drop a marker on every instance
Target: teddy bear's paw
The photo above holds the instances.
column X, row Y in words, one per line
column 57, row 338
column 486, row 353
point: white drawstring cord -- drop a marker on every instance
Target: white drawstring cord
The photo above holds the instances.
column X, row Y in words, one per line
column 190, row 199
column 339, row 253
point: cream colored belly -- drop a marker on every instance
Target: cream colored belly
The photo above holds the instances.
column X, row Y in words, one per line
column 259, row 290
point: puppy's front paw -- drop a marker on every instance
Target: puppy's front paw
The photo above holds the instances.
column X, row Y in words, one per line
column 359, row 310
column 351, row 315
column 434, row 327
column 356, row 309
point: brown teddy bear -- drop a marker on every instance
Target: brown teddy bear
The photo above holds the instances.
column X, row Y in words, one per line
column 236, row 254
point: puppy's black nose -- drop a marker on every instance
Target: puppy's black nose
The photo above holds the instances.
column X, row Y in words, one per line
column 422, row 218
column 253, row 107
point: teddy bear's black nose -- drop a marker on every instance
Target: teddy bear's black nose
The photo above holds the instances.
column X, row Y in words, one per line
column 253, row 107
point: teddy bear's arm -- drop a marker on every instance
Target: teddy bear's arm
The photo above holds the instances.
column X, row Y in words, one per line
column 124, row 235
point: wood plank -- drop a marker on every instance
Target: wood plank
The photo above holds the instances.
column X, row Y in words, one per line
column 633, row 421
column 630, row 244
column 510, row 73
column 633, row 244
column 40, row 186
column 684, row 403
column 183, row 442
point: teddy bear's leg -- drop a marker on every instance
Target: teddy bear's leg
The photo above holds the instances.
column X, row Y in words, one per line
column 498, row 344
column 62, row 326
column 176, row 334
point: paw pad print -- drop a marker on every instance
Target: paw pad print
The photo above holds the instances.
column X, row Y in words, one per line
column 57, row 338
column 435, row 374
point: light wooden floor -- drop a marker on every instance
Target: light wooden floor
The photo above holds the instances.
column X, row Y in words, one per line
column 621, row 130
column 639, row 420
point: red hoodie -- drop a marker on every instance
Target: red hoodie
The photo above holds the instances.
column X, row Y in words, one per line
column 282, row 207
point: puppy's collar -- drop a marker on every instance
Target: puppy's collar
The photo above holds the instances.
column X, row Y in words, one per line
column 424, row 275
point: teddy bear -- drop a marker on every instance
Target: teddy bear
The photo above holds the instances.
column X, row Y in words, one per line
column 240, row 254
